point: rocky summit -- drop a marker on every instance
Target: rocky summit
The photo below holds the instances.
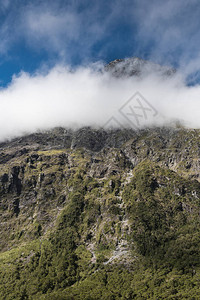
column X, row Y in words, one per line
column 137, row 67
column 96, row 214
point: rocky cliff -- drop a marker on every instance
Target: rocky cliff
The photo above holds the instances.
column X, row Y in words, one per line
column 95, row 214
column 137, row 67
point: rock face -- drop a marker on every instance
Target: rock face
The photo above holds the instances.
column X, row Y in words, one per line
column 89, row 214
column 60, row 138
column 137, row 67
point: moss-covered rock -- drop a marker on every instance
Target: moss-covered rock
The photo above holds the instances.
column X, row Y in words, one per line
column 100, row 215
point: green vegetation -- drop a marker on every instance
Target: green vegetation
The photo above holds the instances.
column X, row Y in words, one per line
column 79, row 225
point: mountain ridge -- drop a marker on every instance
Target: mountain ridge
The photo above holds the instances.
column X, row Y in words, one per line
column 138, row 67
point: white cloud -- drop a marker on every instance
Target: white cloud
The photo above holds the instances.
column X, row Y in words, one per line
column 167, row 30
column 88, row 97
column 85, row 97
column 170, row 30
column 50, row 30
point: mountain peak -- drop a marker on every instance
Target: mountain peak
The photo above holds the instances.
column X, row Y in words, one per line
column 135, row 66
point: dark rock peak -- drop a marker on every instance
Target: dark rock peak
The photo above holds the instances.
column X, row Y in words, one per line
column 88, row 138
column 59, row 138
column 135, row 66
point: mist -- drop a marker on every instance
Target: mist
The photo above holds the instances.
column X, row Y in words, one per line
column 89, row 97
column 49, row 39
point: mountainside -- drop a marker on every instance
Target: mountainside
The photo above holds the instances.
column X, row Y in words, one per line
column 95, row 214
column 135, row 66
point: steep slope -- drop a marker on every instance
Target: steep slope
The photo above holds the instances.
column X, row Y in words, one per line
column 95, row 214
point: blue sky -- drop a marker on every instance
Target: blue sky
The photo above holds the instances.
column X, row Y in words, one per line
column 37, row 35
column 43, row 40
